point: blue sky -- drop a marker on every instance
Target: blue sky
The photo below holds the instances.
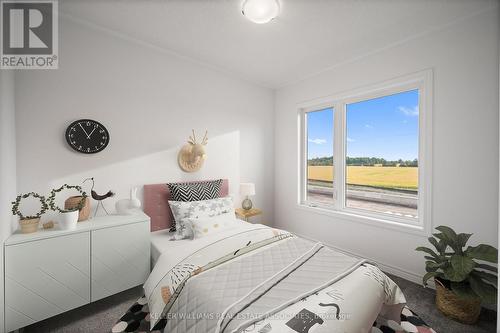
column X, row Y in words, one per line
column 384, row 127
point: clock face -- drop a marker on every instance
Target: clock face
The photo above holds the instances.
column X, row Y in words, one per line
column 87, row 136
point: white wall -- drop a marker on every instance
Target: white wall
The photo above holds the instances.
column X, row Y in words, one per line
column 149, row 100
column 464, row 57
column 223, row 162
column 7, row 166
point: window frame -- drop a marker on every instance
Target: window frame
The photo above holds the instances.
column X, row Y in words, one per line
column 423, row 82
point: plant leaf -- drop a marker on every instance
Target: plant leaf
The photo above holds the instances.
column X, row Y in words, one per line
column 486, row 291
column 463, row 264
column 463, row 239
column 429, row 269
column 431, row 266
column 447, row 231
column 427, row 250
column 452, row 275
column 487, row 267
column 438, row 260
column 435, row 265
column 463, row 290
column 442, row 259
column 434, row 242
column 445, row 241
column 460, row 268
column 449, row 236
column 442, row 246
column 483, row 252
column 488, row 277
column 440, row 236
column 427, row 276
column 439, row 245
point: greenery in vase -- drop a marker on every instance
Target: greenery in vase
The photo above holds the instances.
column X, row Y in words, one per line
column 52, row 198
column 19, row 198
column 464, row 270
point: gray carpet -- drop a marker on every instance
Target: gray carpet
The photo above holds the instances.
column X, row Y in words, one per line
column 99, row 317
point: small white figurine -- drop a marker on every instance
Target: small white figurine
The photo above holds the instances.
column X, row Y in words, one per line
column 129, row 206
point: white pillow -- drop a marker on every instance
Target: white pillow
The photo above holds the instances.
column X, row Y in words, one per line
column 183, row 210
column 204, row 226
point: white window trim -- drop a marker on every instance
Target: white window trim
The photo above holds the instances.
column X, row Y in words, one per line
column 423, row 81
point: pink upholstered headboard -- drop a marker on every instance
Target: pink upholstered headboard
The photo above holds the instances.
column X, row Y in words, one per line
column 156, row 205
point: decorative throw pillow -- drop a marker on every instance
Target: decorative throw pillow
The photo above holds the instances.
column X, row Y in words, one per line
column 205, row 226
column 195, row 191
column 205, row 190
column 184, row 210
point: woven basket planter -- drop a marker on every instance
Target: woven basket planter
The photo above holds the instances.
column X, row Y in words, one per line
column 73, row 202
column 29, row 225
column 463, row 310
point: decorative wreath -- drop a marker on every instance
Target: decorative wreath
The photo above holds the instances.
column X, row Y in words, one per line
column 43, row 205
column 52, row 198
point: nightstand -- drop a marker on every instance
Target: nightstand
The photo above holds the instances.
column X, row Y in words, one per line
column 247, row 214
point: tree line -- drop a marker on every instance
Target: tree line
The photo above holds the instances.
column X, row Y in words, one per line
column 363, row 161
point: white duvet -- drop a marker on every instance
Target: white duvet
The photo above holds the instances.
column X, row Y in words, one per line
column 180, row 250
column 351, row 304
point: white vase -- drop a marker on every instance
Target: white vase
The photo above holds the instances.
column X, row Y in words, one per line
column 129, row 206
column 68, row 220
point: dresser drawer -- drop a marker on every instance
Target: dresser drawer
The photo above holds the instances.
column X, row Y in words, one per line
column 46, row 277
column 120, row 258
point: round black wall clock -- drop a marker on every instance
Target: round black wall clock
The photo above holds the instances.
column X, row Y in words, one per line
column 87, row 136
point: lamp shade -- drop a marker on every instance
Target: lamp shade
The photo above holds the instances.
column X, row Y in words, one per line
column 247, row 189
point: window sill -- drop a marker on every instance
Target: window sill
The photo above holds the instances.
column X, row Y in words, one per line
column 418, row 230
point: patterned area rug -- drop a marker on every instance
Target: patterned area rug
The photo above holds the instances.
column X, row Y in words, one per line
column 136, row 319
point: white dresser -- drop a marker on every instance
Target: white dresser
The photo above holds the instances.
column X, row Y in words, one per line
column 53, row 271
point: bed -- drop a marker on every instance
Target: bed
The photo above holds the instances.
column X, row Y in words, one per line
column 253, row 278
column 156, row 197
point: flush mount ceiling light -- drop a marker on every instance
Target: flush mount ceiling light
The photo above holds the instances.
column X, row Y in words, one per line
column 260, row 11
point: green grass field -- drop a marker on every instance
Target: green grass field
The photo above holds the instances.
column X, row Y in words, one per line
column 384, row 177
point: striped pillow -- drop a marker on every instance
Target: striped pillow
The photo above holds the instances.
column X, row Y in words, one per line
column 195, row 191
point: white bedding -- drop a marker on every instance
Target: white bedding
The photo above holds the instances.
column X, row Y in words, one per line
column 161, row 243
column 362, row 295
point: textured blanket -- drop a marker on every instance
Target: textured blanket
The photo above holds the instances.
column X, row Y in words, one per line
column 266, row 280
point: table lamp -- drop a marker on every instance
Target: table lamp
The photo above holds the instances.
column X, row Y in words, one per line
column 246, row 190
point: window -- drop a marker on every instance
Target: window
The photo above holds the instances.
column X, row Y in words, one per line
column 382, row 154
column 365, row 153
column 320, row 156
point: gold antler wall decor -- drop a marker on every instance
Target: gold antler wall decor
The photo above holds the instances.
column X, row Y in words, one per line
column 192, row 155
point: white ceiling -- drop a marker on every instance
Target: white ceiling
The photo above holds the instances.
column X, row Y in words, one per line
column 308, row 37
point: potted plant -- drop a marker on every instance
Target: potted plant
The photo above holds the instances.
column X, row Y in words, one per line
column 29, row 223
column 463, row 278
column 70, row 214
column 73, row 202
